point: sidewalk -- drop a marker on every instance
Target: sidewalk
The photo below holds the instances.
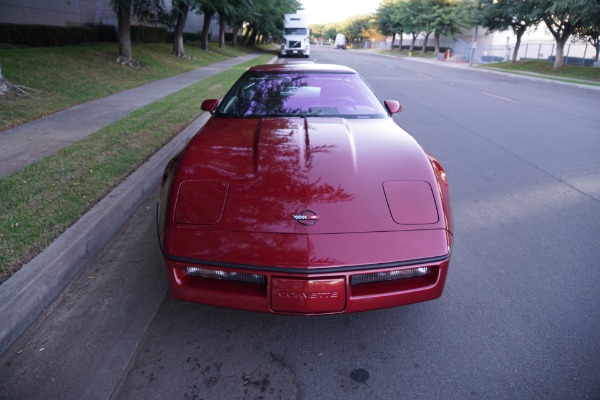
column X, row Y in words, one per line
column 27, row 143
column 25, row 295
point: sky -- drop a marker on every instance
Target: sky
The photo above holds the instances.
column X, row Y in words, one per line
column 324, row 11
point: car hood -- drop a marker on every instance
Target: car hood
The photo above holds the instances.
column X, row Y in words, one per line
column 305, row 176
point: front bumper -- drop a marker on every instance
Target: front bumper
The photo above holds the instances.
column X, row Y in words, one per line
column 325, row 291
column 294, row 51
column 306, row 274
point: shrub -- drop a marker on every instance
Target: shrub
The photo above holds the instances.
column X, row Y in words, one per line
column 106, row 33
column 148, row 34
column 45, row 35
column 492, row 59
column 187, row 37
column 587, row 62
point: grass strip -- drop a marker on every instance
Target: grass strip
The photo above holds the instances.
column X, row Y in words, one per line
column 545, row 69
column 41, row 201
column 537, row 68
column 61, row 77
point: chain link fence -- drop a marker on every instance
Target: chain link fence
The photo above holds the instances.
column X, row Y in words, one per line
column 574, row 53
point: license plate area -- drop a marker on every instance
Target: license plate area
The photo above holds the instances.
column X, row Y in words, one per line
column 308, row 295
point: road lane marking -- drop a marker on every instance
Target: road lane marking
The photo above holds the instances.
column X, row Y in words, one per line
column 425, row 76
column 497, row 97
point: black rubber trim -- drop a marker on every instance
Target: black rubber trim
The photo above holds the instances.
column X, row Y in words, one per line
column 305, row 271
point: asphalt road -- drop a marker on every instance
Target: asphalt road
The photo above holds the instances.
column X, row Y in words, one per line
column 519, row 318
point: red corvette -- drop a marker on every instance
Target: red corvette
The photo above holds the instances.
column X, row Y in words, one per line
column 302, row 196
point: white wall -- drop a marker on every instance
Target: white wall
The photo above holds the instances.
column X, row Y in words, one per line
column 48, row 12
column 77, row 12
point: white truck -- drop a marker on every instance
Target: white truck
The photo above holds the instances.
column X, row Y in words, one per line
column 296, row 36
column 340, row 41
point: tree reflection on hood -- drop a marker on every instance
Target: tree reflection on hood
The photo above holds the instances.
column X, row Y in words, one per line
column 265, row 96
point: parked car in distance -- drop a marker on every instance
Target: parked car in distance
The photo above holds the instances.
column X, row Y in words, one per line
column 301, row 195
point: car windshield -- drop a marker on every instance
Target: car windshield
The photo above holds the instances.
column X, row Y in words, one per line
column 287, row 94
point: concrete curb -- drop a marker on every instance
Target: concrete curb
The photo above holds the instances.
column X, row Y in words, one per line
column 36, row 285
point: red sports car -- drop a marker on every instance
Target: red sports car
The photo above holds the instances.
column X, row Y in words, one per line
column 302, row 196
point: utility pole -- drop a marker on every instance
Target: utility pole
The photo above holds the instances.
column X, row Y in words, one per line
column 473, row 45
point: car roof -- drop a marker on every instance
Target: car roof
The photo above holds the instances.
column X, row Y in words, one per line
column 327, row 68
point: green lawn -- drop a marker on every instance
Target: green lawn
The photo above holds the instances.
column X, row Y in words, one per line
column 566, row 73
column 41, row 201
column 60, row 77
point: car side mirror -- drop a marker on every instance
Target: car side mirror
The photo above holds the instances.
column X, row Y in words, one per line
column 209, row 105
column 393, row 106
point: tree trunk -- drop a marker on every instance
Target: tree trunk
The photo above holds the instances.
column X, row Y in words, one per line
column 436, row 40
column 424, row 50
column 560, row 53
column 561, row 35
column 234, row 38
column 178, row 49
column 401, row 39
column 412, row 43
column 124, row 17
column 517, row 45
column 393, row 40
column 221, row 30
column 4, row 84
column 560, row 47
column 253, row 37
column 208, row 14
